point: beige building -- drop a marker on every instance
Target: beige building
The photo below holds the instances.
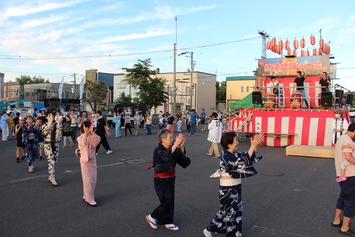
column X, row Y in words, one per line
column 198, row 93
column 238, row 87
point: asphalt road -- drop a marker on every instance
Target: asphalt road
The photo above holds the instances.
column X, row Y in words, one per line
column 291, row 196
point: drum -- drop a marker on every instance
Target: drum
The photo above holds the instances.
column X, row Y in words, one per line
column 270, row 97
column 296, row 100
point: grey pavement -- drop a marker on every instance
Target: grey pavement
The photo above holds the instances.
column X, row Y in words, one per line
column 291, row 196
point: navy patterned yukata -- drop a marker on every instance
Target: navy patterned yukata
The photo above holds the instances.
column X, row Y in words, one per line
column 30, row 139
column 228, row 220
column 164, row 181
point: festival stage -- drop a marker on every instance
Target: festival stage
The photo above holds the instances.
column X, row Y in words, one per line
column 284, row 127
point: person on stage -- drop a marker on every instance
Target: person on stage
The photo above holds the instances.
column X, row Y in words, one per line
column 301, row 77
column 275, row 86
column 87, row 143
column 325, row 82
column 165, row 158
column 234, row 165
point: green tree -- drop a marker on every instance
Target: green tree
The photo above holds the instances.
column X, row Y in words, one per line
column 220, row 91
column 123, row 98
column 95, row 93
column 29, row 80
column 152, row 91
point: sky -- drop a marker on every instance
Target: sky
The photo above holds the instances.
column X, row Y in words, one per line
column 58, row 38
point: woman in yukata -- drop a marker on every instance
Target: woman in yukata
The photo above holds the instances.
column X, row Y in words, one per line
column 30, row 139
column 87, row 143
column 117, row 121
column 234, row 165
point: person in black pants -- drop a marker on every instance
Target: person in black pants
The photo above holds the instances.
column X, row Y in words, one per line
column 127, row 124
column 101, row 130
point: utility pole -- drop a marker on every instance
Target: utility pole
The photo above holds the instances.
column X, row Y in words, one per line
column 192, row 73
column 174, row 82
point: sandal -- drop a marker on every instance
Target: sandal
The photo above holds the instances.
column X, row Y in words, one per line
column 52, row 181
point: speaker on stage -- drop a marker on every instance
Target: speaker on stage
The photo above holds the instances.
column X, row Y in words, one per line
column 338, row 96
column 349, row 99
column 326, row 98
column 256, row 96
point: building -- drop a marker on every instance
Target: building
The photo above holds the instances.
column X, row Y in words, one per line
column 198, row 93
column 238, row 87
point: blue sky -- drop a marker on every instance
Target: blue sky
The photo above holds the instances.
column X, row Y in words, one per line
column 58, row 38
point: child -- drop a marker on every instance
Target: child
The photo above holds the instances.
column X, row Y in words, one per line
column 39, row 122
column 19, row 144
column 345, row 163
column 179, row 125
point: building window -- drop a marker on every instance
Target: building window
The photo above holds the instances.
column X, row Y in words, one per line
column 121, row 86
column 247, row 89
column 242, row 89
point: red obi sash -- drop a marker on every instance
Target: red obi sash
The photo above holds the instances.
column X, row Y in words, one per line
column 167, row 174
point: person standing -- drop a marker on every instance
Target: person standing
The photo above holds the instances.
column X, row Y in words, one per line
column 74, row 125
column 203, row 119
column 30, row 139
column 127, row 123
column 102, row 130
column 193, row 122
column 214, row 135
column 67, row 131
column 87, row 143
column 234, row 165
column 137, row 121
column 300, row 85
column 39, row 122
column 165, row 158
column 19, row 144
column 4, row 127
column 170, row 125
column 324, row 82
column 117, row 121
column 148, row 122
column 17, row 118
column 346, row 201
column 35, row 113
column 339, row 125
column 275, row 86
column 52, row 133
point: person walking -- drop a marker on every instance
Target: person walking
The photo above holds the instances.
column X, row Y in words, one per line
column 87, row 143
column 30, row 139
column 203, row 119
column 214, row 135
column 67, row 131
column 102, row 130
column 193, row 122
column 165, row 158
column 74, row 125
column 11, row 125
column 127, row 123
column 117, row 121
column 19, row 144
column 346, row 201
column 148, row 122
column 52, row 133
column 137, row 121
column 4, row 127
column 234, row 165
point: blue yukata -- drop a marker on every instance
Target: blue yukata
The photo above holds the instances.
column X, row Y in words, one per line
column 30, row 139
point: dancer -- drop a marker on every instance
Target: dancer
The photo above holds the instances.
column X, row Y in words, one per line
column 39, row 122
column 52, row 133
column 339, row 125
column 30, row 139
column 127, row 123
column 165, row 157
column 11, row 125
column 19, row 144
column 67, row 131
column 4, row 127
column 214, row 135
column 87, row 143
column 170, row 125
column 234, row 165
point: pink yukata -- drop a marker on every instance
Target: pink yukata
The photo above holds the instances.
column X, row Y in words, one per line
column 88, row 165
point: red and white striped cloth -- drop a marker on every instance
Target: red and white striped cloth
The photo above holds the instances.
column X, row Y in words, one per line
column 312, row 128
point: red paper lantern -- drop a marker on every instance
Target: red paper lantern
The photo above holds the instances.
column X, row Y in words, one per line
column 322, row 44
column 287, row 45
column 268, row 45
column 295, row 52
column 289, row 51
column 312, row 39
column 307, row 53
column 302, row 43
column 314, row 52
column 273, row 41
column 320, row 51
column 281, row 44
column 302, row 53
column 295, row 44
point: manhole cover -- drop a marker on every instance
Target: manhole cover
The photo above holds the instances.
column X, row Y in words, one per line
column 135, row 162
column 272, row 173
